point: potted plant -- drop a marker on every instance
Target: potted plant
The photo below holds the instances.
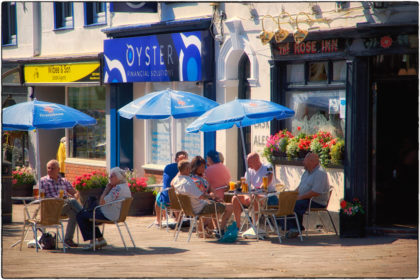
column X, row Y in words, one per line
column 23, row 180
column 352, row 218
column 143, row 197
column 90, row 184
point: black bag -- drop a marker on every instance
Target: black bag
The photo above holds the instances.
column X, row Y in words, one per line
column 90, row 203
column 47, row 241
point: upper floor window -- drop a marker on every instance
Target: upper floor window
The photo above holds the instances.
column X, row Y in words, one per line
column 8, row 26
column 63, row 15
column 95, row 13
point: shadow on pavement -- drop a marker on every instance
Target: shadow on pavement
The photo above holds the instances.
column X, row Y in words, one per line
column 120, row 251
column 332, row 240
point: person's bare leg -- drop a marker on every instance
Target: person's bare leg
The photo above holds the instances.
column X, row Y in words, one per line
column 226, row 215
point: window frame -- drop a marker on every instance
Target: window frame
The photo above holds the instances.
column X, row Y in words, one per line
column 11, row 34
column 94, row 14
column 63, row 26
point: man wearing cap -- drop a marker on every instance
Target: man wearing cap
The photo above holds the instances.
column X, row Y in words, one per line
column 217, row 175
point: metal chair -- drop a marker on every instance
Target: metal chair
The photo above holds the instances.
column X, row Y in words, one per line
column 285, row 210
column 50, row 218
column 186, row 206
column 125, row 206
column 175, row 206
column 318, row 211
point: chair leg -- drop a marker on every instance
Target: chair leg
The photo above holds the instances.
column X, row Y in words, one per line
column 307, row 223
column 62, row 240
column 277, row 227
column 332, row 222
column 191, row 228
column 122, row 238
column 298, row 226
column 129, row 233
column 179, row 226
column 178, row 222
column 36, row 239
column 23, row 235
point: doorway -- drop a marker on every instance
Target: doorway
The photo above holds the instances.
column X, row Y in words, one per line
column 243, row 93
column 396, row 125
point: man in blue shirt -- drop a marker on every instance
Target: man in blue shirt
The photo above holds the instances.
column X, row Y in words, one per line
column 170, row 171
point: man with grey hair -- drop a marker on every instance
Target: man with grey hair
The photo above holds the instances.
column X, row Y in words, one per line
column 313, row 184
column 51, row 185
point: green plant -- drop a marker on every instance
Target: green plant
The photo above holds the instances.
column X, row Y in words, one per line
column 23, row 175
column 91, row 180
column 351, row 208
column 136, row 183
column 292, row 149
column 337, row 152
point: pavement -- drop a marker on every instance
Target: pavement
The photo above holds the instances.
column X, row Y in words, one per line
column 156, row 255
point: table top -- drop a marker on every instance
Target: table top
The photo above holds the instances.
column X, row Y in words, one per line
column 23, row 197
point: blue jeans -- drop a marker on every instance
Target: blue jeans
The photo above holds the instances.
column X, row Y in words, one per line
column 86, row 226
column 300, row 208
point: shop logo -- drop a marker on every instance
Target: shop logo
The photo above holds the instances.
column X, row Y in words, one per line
column 114, row 65
column 252, row 104
column 189, row 65
column 48, row 109
column 180, row 102
column 386, row 42
column 130, row 55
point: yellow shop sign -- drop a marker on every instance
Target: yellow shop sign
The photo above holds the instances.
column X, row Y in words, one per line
column 62, row 73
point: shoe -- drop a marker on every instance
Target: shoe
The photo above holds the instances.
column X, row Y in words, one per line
column 70, row 243
column 292, row 234
column 99, row 244
column 218, row 236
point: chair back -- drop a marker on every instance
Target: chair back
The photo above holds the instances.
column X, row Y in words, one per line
column 287, row 201
column 125, row 207
column 51, row 211
column 185, row 202
column 173, row 199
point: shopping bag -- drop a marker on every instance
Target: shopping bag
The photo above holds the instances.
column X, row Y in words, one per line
column 231, row 234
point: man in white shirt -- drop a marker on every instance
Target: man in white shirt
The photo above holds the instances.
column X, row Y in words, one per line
column 256, row 171
column 184, row 184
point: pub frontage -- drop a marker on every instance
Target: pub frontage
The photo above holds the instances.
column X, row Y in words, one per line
column 359, row 84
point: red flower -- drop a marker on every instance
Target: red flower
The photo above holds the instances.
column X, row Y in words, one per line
column 343, row 204
column 14, row 181
column 298, row 128
column 84, row 184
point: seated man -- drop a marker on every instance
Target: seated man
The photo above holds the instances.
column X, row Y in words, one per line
column 256, row 171
column 314, row 183
column 184, row 184
column 217, row 174
column 51, row 185
column 170, row 171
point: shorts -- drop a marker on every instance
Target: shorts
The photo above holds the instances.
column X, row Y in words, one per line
column 273, row 200
column 209, row 208
column 162, row 199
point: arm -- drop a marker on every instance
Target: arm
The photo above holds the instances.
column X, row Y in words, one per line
column 308, row 195
column 105, row 193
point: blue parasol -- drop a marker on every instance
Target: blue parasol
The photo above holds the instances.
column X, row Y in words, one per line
column 33, row 115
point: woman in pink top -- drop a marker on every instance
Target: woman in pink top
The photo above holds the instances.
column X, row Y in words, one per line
column 217, row 175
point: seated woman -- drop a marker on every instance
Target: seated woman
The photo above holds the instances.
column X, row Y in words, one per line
column 217, row 175
column 116, row 189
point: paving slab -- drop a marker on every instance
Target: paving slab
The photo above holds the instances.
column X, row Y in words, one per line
column 158, row 256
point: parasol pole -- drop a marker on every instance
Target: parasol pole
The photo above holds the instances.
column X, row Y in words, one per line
column 38, row 160
column 245, row 155
column 171, row 150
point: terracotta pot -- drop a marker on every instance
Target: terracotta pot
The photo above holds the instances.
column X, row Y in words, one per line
column 143, row 204
column 84, row 194
column 22, row 190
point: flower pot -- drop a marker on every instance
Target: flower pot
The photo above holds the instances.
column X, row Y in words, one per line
column 352, row 226
column 84, row 194
column 22, row 190
column 143, row 204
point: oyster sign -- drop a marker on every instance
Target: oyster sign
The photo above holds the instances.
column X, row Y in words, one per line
column 162, row 57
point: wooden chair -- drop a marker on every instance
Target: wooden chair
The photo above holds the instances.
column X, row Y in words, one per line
column 50, row 218
column 125, row 206
column 318, row 211
column 285, row 210
column 186, row 206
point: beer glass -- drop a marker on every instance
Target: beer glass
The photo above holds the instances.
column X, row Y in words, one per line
column 232, row 186
column 36, row 192
column 61, row 194
column 42, row 193
column 265, row 183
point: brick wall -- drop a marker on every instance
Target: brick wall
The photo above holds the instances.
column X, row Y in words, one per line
column 73, row 170
column 157, row 174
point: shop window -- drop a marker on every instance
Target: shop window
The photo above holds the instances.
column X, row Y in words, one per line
column 9, row 26
column 339, row 71
column 396, row 65
column 317, row 111
column 159, row 131
column 296, row 73
column 318, row 72
column 88, row 142
column 63, row 15
column 95, row 13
